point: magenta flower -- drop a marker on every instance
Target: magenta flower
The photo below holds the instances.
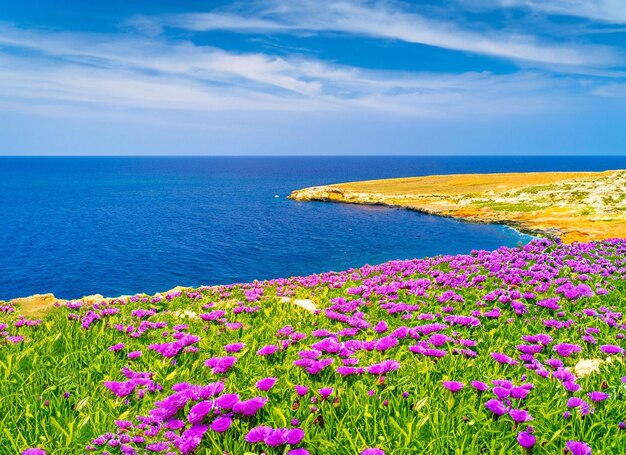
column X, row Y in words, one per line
column 383, row 367
column 480, row 386
column 34, row 451
column 502, row 358
column 227, row 401
column 597, row 397
column 571, row 386
column 325, row 392
column 234, row 347
column 501, row 392
column 258, row 434
column 199, row 410
column 575, row 402
column 266, row 384
column 249, row 407
column 221, row 424
column 301, row 390
column 519, row 393
column 300, row 451
column 373, row 451
column 578, row 448
column 134, row 355
column 294, row 436
column 267, row 350
column 519, row 415
column 190, row 439
column 220, row 364
column 453, row 386
column 116, row 347
column 611, row 349
column 496, row 407
column 566, row 349
column 526, row 440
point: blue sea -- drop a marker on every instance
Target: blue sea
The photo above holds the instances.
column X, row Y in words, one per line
column 75, row 226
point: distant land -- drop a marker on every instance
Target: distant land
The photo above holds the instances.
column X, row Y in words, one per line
column 574, row 206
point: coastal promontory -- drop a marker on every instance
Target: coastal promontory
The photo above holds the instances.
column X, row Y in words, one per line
column 574, row 206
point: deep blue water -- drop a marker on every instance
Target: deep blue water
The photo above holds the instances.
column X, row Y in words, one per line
column 108, row 225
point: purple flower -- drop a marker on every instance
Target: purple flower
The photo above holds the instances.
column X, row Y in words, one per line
column 234, row 347
column 325, row 392
column 221, row 424
column 526, row 440
column 158, row 447
column 227, row 401
column 267, row 350
column 116, row 347
column 566, row 349
column 294, row 436
column 611, row 349
column 502, row 358
column 191, row 438
column 220, row 364
column 300, row 451
column 34, row 451
column 258, row 434
column 121, row 389
column 519, row 415
column 453, row 386
column 277, row 437
column 496, row 407
column 199, row 410
column 480, row 386
column 249, row 407
column 383, row 367
column 134, row 355
column 575, row 402
column 519, row 393
column 578, row 448
column 597, row 397
column 372, row 451
column 301, row 390
column 571, row 386
column 501, row 392
column 266, row 384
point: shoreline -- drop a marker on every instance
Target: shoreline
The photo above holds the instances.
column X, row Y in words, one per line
column 435, row 196
column 572, row 206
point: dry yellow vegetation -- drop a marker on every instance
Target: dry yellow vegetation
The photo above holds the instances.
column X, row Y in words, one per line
column 575, row 206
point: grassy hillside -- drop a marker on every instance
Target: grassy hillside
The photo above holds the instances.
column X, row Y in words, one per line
column 532, row 337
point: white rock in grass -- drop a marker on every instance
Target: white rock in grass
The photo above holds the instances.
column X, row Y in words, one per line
column 307, row 304
column 585, row 367
column 185, row 314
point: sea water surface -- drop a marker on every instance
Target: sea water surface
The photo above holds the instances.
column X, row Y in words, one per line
column 75, row 226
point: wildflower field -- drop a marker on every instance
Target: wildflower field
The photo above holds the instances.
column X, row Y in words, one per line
column 512, row 351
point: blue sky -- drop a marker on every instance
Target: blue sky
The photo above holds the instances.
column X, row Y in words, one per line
column 313, row 77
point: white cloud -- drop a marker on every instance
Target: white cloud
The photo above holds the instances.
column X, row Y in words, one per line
column 123, row 72
column 612, row 11
column 388, row 21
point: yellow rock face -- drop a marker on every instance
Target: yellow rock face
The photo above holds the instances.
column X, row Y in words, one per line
column 35, row 304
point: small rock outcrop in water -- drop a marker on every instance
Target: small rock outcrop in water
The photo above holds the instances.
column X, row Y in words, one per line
column 318, row 193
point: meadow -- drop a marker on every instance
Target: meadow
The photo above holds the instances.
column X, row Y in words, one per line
column 517, row 350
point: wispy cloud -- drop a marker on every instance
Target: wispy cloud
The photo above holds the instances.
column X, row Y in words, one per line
column 131, row 72
column 386, row 20
column 611, row 11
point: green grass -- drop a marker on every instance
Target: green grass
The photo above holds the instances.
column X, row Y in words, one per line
column 60, row 356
